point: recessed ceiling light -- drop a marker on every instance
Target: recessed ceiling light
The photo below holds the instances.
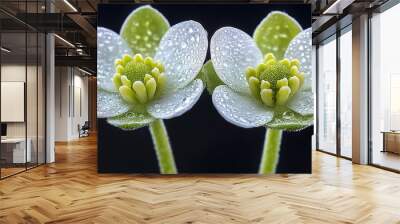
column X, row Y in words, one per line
column 5, row 50
column 65, row 41
column 338, row 6
column 84, row 71
column 70, row 5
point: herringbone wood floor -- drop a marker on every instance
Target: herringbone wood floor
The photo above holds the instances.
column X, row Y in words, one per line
column 71, row 191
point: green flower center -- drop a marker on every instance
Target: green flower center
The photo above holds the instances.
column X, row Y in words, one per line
column 135, row 71
column 138, row 79
column 275, row 82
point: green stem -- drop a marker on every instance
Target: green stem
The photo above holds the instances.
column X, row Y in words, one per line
column 270, row 156
column 165, row 157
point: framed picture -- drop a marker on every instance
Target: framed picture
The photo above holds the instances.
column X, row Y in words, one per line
column 204, row 88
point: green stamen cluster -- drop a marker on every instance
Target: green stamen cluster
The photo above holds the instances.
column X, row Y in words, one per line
column 274, row 82
column 138, row 79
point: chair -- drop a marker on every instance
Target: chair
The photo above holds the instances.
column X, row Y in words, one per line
column 84, row 130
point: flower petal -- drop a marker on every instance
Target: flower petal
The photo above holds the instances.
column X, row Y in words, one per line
column 300, row 48
column 275, row 32
column 110, row 46
column 243, row 111
column 182, row 51
column 177, row 103
column 302, row 103
column 131, row 120
column 109, row 104
column 143, row 30
column 232, row 51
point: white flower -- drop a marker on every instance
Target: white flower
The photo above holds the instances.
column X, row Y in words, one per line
column 259, row 88
column 148, row 71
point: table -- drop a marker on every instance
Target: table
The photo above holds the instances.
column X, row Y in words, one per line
column 391, row 141
column 16, row 147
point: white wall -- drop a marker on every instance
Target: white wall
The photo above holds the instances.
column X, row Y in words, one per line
column 10, row 73
column 16, row 73
column 61, row 103
column 33, row 126
column 71, row 102
column 82, row 82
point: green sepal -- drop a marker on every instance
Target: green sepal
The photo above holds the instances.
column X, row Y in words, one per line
column 275, row 32
column 288, row 120
column 143, row 30
column 209, row 77
column 131, row 120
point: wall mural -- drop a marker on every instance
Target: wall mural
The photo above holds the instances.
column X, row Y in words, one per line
column 204, row 88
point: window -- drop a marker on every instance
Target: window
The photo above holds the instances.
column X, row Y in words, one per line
column 327, row 96
column 346, row 93
column 22, row 75
column 385, row 89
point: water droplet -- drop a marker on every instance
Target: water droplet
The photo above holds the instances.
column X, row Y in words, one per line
column 288, row 115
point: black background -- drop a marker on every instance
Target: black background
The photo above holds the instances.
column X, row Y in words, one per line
column 202, row 141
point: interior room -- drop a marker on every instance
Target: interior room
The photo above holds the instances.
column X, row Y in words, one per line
column 79, row 145
column 385, row 123
column 72, row 94
column 22, row 99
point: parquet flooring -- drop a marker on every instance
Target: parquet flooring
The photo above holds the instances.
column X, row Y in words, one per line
column 11, row 170
column 71, row 191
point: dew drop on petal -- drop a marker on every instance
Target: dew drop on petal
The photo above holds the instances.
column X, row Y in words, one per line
column 300, row 48
column 182, row 51
column 110, row 47
column 110, row 104
column 232, row 51
column 302, row 103
column 178, row 102
column 240, row 110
